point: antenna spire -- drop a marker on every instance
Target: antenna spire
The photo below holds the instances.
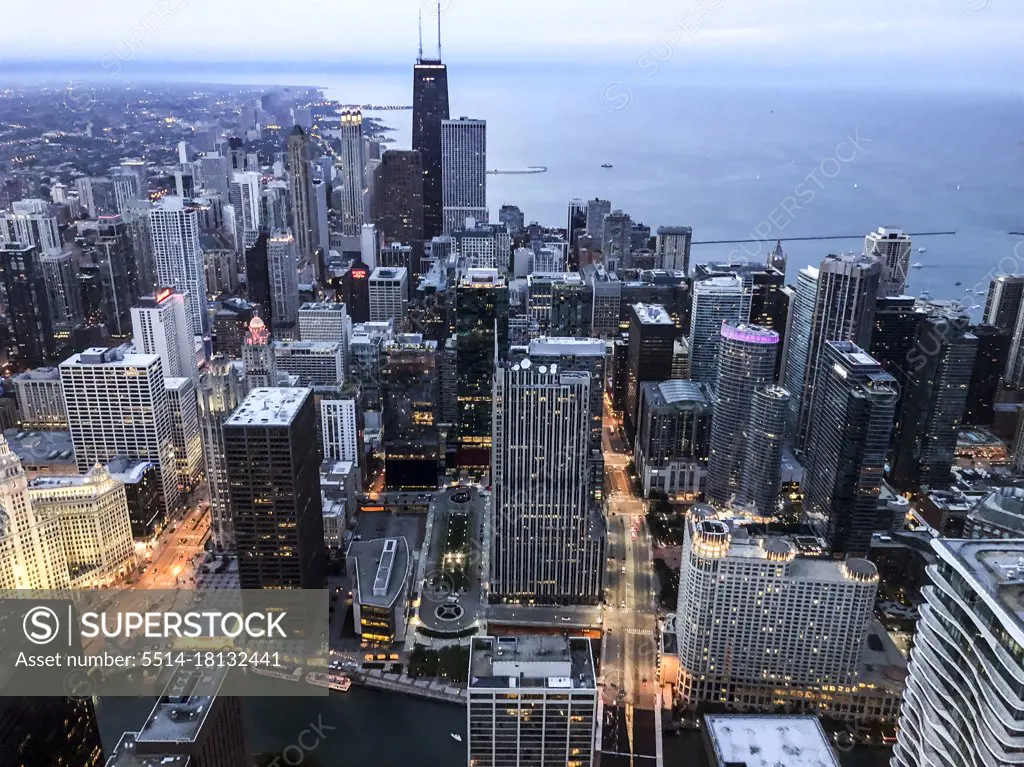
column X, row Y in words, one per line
column 439, row 30
column 421, row 35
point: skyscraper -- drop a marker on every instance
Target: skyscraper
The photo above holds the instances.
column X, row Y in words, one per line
column 398, row 196
column 746, row 363
column 892, row 248
column 616, row 241
column 246, row 196
column 652, row 335
column 672, row 250
column 117, row 405
column 671, row 453
column 957, row 708
column 464, row 172
column 283, row 282
column 257, row 277
column 160, row 326
column 843, row 310
column 597, row 209
column 547, row 542
column 28, row 305
column 124, row 252
column 481, row 321
column 765, row 434
column 897, row 319
column 339, row 430
column 933, row 402
column 300, row 189
column 411, row 392
column 50, row 731
column 31, row 223
column 60, row 273
column 846, row 446
column 1003, row 302
column 179, row 258
column 389, row 296
column 715, row 300
column 222, row 387
column 258, row 356
column 993, row 351
column 274, row 489
column 553, row 724
column 576, row 222
column 429, row 109
column 351, row 171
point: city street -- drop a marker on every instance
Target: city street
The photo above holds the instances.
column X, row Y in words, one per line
column 172, row 562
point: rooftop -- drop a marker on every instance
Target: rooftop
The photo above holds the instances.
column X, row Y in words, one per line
column 128, row 470
column 382, row 569
column 179, row 715
column 323, row 306
column 566, row 346
column 678, row 391
column 36, row 448
column 531, row 661
column 389, row 273
column 111, row 357
column 124, row 755
column 995, row 569
column 321, row 347
column 1004, row 508
column 769, row 741
column 752, row 334
column 652, row 314
column 269, row 407
column 38, row 374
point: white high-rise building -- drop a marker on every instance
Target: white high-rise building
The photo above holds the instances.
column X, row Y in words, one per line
column 389, row 296
column 463, row 172
column 30, row 223
column 222, row 388
column 893, row 248
column 760, row 624
column 160, row 326
column 31, row 554
column 340, row 430
column 547, row 545
column 351, row 171
column 325, row 321
column 715, row 300
column 183, row 404
column 126, row 188
column 40, row 399
column 369, row 246
column 178, row 257
column 672, row 248
column 316, row 363
column 532, row 702
column 282, row 263
column 246, row 195
column 95, row 528
column 963, row 704
column 117, row 405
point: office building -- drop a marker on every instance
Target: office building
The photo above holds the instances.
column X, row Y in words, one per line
column 117, row 405
column 464, row 172
column 896, row 324
column 835, row 302
column 96, row 194
column 672, row 248
column 846, row 446
column 183, row 406
column 300, row 193
column 959, row 706
column 512, row 217
column 283, row 273
column 63, row 293
column 715, row 300
column 766, row 285
column 597, row 209
column 31, row 550
column 246, row 196
column 932, row 404
column 316, row 363
column 28, row 306
column 532, row 702
column 188, row 727
column 576, row 222
column 121, row 247
column 1003, row 301
column 30, row 223
column 429, row 110
column 351, row 171
column 365, row 350
column 257, row 277
column 230, row 324
column 989, row 364
column 481, row 324
column 607, row 301
column 801, row 621
column 892, row 247
column 95, row 529
column 389, row 296
column 482, row 246
column 547, row 541
column 160, row 327
column 671, row 450
column 40, row 399
column 258, row 356
column 410, row 394
column 50, row 731
column 274, row 489
column 380, row 572
column 746, row 739
column 616, row 241
column 325, row 321
column 340, row 431
column 651, row 340
column 761, row 481
column 746, row 363
column 222, row 388
column 178, row 257
column 398, row 196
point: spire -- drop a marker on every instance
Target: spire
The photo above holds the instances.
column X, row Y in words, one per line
column 438, row 30
column 420, row 57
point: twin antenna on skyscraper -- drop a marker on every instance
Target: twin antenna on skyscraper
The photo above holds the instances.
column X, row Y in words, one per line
column 438, row 33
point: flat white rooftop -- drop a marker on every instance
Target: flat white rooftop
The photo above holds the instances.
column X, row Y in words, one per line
column 269, row 407
column 769, row 741
column 578, row 347
column 652, row 314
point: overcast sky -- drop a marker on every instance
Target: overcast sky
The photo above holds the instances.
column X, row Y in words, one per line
column 974, row 33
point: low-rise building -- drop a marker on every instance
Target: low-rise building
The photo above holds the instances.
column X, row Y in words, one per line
column 794, row 741
column 379, row 571
column 40, row 398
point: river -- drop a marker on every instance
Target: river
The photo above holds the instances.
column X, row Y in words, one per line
column 372, row 727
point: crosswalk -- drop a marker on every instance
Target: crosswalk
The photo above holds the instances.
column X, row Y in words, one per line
column 640, row 632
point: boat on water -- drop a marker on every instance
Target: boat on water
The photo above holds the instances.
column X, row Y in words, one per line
column 456, row 736
column 922, row 250
column 916, row 265
column 607, row 165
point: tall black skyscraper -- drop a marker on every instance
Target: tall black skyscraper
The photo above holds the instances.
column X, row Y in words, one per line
column 398, row 196
column 429, row 108
column 49, row 731
column 257, row 277
column 28, row 307
column 993, row 351
column 652, row 335
column 273, row 460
